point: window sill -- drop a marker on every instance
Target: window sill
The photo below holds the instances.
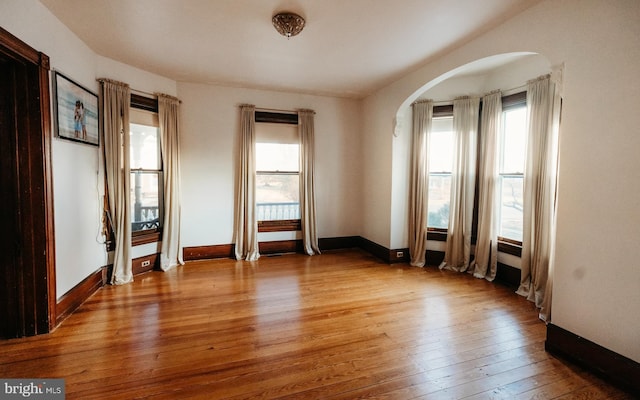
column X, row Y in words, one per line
column 140, row 238
column 285, row 225
column 510, row 247
column 437, row 234
column 504, row 245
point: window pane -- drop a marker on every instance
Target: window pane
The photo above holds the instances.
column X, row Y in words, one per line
column 438, row 207
column 440, row 165
column 145, row 147
column 277, row 157
column 514, row 140
column 511, row 215
column 278, row 196
column 441, row 145
column 145, row 202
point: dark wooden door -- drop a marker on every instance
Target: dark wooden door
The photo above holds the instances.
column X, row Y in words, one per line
column 27, row 263
column 12, row 315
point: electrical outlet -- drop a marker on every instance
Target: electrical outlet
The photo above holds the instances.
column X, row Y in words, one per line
column 146, row 263
column 399, row 254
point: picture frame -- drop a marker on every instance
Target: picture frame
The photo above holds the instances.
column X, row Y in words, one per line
column 75, row 111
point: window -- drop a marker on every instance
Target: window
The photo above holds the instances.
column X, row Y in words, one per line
column 440, row 166
column 511, row 180
column 146, row 193
column 277, row 177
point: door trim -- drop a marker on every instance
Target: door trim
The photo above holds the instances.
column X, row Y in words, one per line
column 37, row 140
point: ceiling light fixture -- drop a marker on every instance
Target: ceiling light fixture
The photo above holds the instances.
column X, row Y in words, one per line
column 288, row 24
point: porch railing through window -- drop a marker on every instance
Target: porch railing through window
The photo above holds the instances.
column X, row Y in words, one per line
column 278, row 211
column 145, row 218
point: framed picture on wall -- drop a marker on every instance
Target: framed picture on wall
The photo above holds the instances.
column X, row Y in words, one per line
column 75, row 111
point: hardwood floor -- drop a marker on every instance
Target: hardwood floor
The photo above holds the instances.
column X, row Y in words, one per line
column 340, row 325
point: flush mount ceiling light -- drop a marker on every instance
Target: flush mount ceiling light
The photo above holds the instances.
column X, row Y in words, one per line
column 288, row 24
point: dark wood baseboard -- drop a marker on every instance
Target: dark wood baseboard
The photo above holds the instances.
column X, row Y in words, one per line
column 145, row 264
column 337, row 243
column 207, row 252
column 375, row 249
column 611, row 366
column 295, row 246
column 71, row 300
column 280, row 247
column 508, row 275
column 434, row 258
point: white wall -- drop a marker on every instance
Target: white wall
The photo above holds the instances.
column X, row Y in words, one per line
column 596, row 272
column 210, row 128
column 77, row 173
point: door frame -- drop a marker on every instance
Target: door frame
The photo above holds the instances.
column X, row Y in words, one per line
column 38, row 277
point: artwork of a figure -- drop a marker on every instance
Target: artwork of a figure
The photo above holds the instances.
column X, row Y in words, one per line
column 76, row 110
column 77, row 119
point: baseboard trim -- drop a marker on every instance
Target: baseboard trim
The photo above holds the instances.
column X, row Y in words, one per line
column 207, row 252
column 434, row 258
column 611, row 366
column 275, row 247
column 74, row 298
column 375, row 249
column 338, row 243
column 71, row 300
column 145, row 264
column 508, row 275
column 281, row 247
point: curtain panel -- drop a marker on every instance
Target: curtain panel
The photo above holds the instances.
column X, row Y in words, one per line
column 463, row 177
column 246, row 223
column 168, row 115
column 116, row 99
column 540, row 179
column 419, row 182
column 485, row 263
column 307, row 182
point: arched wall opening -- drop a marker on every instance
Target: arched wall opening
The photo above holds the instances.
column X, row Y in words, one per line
column 507, row 72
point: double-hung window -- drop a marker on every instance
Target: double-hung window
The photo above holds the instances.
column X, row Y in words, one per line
column 277, row 176
column 146, row 192
column 440, row 168
column 145, row 163
column 511, row 174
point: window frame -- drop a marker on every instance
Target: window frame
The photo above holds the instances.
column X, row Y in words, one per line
column 139, row 237
column 505, row 245
column 283, row 225
column 510, row 102
column 439, row 234
column 149, row 235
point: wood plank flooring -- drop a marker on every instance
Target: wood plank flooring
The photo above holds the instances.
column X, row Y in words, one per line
column 341, row 325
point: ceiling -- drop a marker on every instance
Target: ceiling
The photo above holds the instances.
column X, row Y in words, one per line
column 349, row 48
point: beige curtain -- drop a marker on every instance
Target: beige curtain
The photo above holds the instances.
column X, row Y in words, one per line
column 463, row 178
column 246, row 223
column 116, row 100
column 485, row 263
column 540, row 177
column 171, row 250
column 307, row 186
column 419, row 186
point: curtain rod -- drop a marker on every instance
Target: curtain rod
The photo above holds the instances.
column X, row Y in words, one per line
column 504, row 92
column 152, row 95
column 276, row 110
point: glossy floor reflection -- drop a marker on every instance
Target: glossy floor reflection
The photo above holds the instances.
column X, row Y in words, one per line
column 341, row 325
